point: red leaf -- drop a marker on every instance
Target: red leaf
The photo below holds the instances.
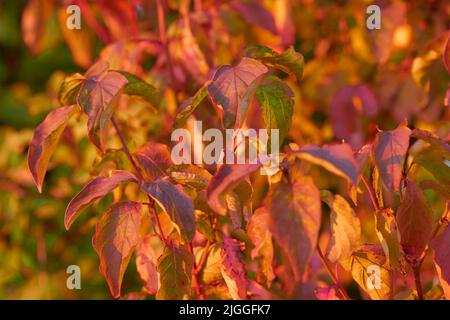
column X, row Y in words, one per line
column 146, row 261
column 415, row 220
column 116, row 236
column 441, row 246
column 96, row 96
column 95, row 189
column 227, row 177
column 326, row 294
column 389, row 150
column 295, row 211
column 44, row 142
column 233, row 269
column 254, row 13
column 172, row 199
column 154, row 159
column 229, row 85
column 337, row 158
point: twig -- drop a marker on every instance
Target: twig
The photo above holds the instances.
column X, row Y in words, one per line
column 332, row 275
column 202, row 261
column 126, row 150
column 195, row 282
column 371, row 193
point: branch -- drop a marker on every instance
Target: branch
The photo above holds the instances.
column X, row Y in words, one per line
column 371, row 193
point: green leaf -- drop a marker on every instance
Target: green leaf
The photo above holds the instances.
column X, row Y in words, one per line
column 116, row 236
column 274, row 98
column 189, row 105
column 138, row 87
column 175, row 272
column 70, row 89
column 289, row 61
column 203, row 224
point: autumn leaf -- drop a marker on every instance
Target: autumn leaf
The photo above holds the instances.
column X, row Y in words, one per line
column 175, row 271
column 203, row 225
column 140, row 88
column 190, row 104
column 146, row 260
column 212, row 270
column 345, row 227
column 233, row 270
column 415, row 220
column 116, row 236
column 337, row 159
column 153, row 159
column 273, row 99
column 94, row 190
column 290, row 61
column 255, row 13
column 295, row 214
column 259, row 233
column 175, row 202
column 190, row 175
column 227, row 177
column 326, row 294
column 389, row 151
column 388, row 233
column 369, row 269
column 44, row 141
column 96, row 96
column 69, row 90
column 441, row 250
column 229, row 85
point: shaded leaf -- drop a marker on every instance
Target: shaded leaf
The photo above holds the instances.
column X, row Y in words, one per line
column 295, row 213
column 227, row 177
column 326, row 294
column 154, row 159
column 96, row 188
column 233, row 270
column 255, row 13
column 175, row 271
column 44, row 141
column 345, row 227
column 189, row 105
column 259, row 233
column 441, row 245
column 203, row 224
column 389, row 149
column 146, row 260
column 116, row 236
column 415, row 220
column 337, row 159
column 229, row 85
column 289, row 61
column 177, row 204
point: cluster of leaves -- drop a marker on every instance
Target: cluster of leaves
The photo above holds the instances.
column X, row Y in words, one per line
column 348, row 196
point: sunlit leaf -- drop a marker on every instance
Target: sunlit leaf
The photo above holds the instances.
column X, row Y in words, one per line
column 389, row 236
column 116, row 236
column 190, row 175
column 96, row 188
column 44, row 141
column 289, row 61
column 138, row 87
column 70, row 89
column 146, row 260
column 175, row 270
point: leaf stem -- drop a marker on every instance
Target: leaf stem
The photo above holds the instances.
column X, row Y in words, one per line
column 371, row 193
column 332, row 275
column 126, row 150
column 195, row 282
column 151, row 205
column 416, row 269
column 203, row 258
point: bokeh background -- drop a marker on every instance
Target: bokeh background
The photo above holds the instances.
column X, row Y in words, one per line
column 355, row 80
